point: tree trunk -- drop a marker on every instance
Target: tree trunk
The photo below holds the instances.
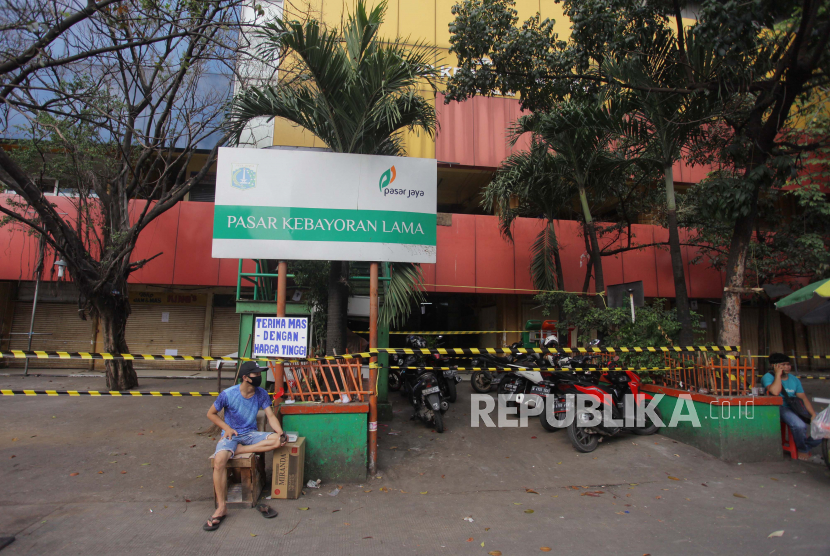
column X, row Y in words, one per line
column 338, row 301
column 557, row 260
column 730, row 308
column 596, row 258
column 112, row 317
column 588, row 272
column 596, row 254
column 678, row 272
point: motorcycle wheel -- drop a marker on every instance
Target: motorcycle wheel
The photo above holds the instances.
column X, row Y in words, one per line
column 825, row 452
column 439, row 421
column 480, row 382
column 547, row 424
column 395, row 380
column 581, row 439
column 650, row 427
column 452, row 391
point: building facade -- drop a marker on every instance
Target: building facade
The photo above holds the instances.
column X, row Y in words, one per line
column 183, row 300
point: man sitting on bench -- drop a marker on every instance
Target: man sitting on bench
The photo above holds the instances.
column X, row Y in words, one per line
column 239, row 433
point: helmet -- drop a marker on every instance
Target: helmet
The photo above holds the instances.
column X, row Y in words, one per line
column 414, row 341
column 551, row 341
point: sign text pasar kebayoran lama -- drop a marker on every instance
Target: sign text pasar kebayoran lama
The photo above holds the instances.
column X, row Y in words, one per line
column 335, row 224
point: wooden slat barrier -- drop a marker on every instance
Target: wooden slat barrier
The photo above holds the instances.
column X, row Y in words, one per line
column 718, row 376
column 325, row 381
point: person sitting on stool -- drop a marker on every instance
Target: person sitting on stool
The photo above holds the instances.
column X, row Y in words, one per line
column 239, row 433
column 779, row 381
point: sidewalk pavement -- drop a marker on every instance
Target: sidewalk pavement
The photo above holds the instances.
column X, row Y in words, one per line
column 143, row 487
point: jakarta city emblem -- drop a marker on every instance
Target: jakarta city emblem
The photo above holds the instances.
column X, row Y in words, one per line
column 243, row 176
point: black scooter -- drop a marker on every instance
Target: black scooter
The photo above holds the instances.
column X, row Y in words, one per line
column 427, row 399
column 484, row 381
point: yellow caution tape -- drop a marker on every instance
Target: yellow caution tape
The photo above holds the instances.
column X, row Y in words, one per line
column 499, row 351
column 95, row 393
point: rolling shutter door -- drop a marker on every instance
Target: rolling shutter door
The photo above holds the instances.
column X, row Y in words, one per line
column 67, row 333
column 819, row 336
column 224, row 334
column 147, row 333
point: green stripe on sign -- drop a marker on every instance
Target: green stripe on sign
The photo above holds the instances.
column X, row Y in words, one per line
column 314, row 224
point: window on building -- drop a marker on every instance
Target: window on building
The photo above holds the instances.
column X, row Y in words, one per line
column 204, row 191
column 49, row 186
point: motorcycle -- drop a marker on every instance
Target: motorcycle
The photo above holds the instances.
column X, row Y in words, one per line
column 395, row 375
column 428, row 390
column 447, row 378
column 450, row 376
column 621, row 388
column 427, row 399
column 566, row 364
column 484, row 381
column 530, row 387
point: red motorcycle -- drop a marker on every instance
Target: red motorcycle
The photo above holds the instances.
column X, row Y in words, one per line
column 616, row 395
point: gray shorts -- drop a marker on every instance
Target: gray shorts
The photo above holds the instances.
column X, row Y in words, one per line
column 247, row 439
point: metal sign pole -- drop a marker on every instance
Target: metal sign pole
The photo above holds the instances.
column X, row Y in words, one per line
column 282, row 283
column 38, row 273
column 31, row 325
column 373, row 368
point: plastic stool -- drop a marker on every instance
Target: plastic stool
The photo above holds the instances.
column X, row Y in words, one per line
column 787, row 442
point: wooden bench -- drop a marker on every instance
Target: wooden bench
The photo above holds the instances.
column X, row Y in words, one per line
column 246, row 479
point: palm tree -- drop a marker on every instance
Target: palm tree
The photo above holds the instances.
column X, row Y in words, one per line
column 578, row 138
column 667, row 125
column 529, row 183
column 358, row 94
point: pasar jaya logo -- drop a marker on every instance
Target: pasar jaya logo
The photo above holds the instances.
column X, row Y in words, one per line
column 387, row 178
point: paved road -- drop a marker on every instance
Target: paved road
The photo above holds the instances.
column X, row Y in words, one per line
column 634, row 495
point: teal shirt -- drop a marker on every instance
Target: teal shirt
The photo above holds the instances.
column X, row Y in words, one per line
column 792, row 385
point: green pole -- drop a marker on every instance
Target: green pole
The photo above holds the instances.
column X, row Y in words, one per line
column 383, row 360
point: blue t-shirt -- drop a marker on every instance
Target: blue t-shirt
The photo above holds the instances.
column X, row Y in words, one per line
column 240, row 413
column 792, row 385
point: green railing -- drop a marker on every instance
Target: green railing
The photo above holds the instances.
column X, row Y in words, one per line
column 264, row 289
column 263, row 282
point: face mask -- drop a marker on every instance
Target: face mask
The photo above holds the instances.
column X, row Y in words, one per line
column 255, row 380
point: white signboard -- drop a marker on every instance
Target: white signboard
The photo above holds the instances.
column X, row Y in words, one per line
column 280, row 337
column 306, row 205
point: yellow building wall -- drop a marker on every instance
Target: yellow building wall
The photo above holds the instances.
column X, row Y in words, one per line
column 419, row 21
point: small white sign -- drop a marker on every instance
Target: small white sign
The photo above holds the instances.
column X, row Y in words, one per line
column 165, row 316
column 171, row 352
column 281, row 337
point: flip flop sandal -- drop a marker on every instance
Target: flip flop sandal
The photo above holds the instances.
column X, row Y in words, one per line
column 267, row 511
column 213, row 526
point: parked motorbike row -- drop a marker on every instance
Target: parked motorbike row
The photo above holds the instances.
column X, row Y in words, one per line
column 430, row 391
column 610, row 390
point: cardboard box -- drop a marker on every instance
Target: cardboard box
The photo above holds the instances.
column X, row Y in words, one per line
column 287, row 478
